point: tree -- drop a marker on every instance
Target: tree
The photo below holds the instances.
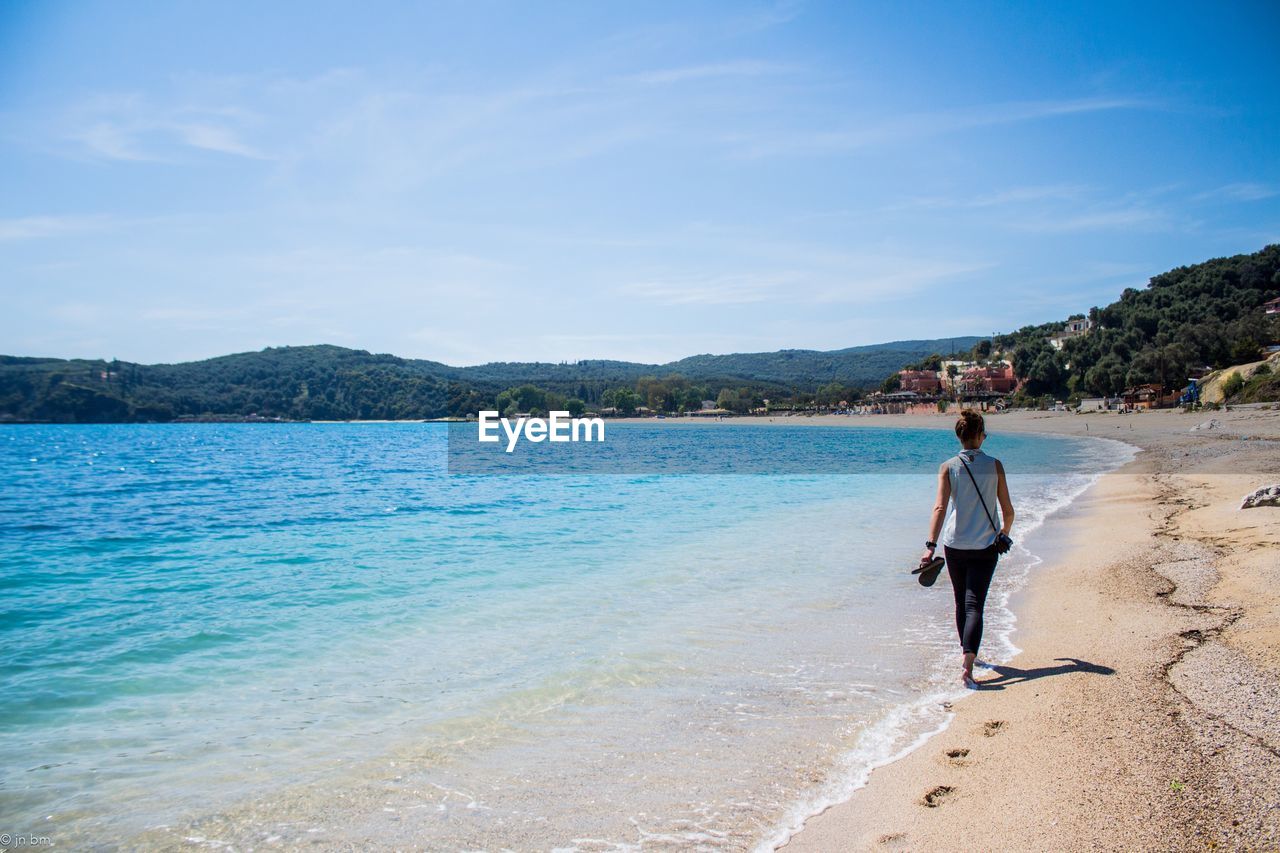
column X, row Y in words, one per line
column 623, row 399
column 525, row 399
column 1107, row 377
column 735, row 399
column 832, row 394
column 1245, row 350
column 1044, row 375
column 691, row 400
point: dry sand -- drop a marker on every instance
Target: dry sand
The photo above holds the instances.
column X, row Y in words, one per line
column 1144, row 710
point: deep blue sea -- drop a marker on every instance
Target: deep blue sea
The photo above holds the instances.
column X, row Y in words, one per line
column 262, row 634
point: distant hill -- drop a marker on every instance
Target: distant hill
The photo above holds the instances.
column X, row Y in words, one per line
column 857, row 366
column 328, row 382
column 1206, row 315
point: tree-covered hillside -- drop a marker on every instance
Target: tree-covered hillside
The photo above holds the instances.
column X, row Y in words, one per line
column 316, row 382
column 1206, row 315
column 328, row 382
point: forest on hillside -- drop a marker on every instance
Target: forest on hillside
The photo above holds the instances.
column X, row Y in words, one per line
column 334, row 383
column 1204, row 316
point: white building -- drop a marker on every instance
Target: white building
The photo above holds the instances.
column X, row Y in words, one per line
column 1075, row 328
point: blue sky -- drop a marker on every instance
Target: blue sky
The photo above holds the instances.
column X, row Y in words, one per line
column 485, row 181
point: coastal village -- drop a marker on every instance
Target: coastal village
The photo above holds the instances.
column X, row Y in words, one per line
column 990, row 384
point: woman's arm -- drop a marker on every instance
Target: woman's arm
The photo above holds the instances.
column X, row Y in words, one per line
column 1006, row 503
column 939, row 512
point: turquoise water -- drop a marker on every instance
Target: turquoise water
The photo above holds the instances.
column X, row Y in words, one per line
column 316, row 634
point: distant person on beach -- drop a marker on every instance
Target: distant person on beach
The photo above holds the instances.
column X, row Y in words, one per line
column 971, row 561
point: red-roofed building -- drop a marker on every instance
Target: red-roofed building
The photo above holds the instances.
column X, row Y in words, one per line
column 920, row 381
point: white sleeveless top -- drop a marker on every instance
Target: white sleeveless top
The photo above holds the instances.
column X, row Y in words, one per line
column 972, row 530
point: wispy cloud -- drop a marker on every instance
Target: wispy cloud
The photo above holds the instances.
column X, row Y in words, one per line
column 1245, row 191
column 135, row 128
column 828, row 278
column 1137, row 217
column 740, row 68
column 926, row 124
column 1001, row 198
column 1060, row 208
column 889, row 278
column 36, row 227
column 209, row 137
column 728, row 289
column 766, row 17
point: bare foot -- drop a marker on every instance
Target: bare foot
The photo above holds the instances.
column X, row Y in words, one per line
column 966, row 670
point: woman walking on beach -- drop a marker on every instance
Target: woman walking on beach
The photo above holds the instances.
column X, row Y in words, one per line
column 970, row 549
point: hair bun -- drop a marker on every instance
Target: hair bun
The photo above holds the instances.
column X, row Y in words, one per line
column 969, row 425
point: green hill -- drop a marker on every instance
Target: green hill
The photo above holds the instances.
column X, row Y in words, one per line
column 1190, row 318
column 327, row 382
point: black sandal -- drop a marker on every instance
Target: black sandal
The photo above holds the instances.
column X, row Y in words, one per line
column 928, row 572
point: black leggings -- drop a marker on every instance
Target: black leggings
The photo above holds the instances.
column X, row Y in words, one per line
column 970, row 573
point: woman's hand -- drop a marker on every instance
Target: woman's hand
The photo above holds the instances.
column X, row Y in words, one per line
column 926, row 556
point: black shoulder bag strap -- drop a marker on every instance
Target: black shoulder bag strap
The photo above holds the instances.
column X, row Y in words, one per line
column 980, row 497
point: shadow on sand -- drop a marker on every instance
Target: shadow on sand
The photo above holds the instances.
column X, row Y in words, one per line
column 1008, row 675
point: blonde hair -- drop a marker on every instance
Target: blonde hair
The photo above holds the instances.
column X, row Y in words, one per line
column 969, row 425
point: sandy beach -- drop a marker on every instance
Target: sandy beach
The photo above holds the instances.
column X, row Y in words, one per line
column 1144, row 709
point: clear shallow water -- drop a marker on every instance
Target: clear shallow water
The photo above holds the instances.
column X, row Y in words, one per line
column 315, row 633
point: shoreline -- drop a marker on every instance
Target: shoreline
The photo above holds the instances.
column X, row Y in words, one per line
column 1043, row 545
column 1136, row 704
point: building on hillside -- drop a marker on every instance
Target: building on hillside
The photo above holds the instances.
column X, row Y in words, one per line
column 920, row 381
column 1075, row 328
column 1272, row 307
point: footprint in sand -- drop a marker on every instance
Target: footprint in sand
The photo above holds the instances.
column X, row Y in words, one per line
column 957, row 757
column 934, row 798
column 991, row 728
